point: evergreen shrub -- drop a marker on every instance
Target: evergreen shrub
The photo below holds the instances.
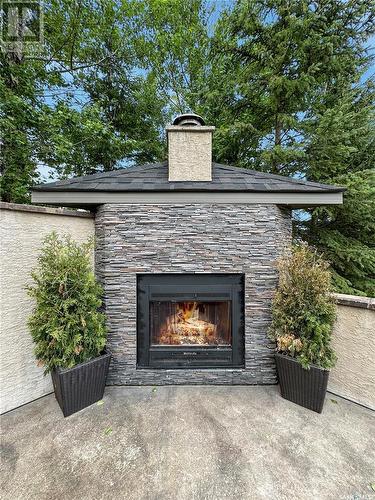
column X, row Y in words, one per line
column 303, row 308
column 66, row 326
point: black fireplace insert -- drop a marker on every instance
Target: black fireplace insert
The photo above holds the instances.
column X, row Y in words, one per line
column 190, row 320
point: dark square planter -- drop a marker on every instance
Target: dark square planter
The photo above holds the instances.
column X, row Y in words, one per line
column 80, row 386
column 306, row 388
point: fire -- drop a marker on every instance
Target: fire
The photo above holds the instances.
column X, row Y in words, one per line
column 186, row 327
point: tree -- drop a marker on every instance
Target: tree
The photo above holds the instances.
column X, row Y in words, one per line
column 19, row 113
column 121, row 115
column 287, row 95
column 98, row 95
column 341, row 151
column 81, row 104
column 173, row 47
column 272, row 61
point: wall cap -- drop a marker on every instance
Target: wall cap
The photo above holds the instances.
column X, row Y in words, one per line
column 187, row 128
column 355, row 301
column 46, row 210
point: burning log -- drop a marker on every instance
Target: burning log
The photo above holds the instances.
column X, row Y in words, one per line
column 185, row 327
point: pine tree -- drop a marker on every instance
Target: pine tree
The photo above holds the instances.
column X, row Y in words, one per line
column 341, row 151
column 287, row 95
column 272, row 61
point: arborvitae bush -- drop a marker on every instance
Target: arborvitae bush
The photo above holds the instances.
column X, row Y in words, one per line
column 303, row 308
column 66, row 325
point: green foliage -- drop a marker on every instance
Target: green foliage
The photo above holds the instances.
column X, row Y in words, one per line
column 272, row 63
column 282, row 81
column 66, row 325
column 173, row 46
column 81, row 104
column 303, row 308
column 341, row 151
column 287, row 95
column 119, row 118
column 18, row 117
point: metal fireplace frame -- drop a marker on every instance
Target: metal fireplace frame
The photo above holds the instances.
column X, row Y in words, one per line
column 190, row 287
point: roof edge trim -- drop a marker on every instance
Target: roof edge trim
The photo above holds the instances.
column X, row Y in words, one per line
column 82, row 199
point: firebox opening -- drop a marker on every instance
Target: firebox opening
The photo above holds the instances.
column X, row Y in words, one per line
column 190, row 323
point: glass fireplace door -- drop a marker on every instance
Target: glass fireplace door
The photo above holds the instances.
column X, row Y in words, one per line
column 190, row 323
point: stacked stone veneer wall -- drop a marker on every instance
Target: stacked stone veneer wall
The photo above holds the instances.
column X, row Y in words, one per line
column 180, row 238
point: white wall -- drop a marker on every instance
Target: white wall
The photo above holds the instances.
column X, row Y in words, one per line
column 22, row 229
column 354, row 342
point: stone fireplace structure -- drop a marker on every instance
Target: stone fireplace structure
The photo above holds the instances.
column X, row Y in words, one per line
column 187, row 260
column 139, row 240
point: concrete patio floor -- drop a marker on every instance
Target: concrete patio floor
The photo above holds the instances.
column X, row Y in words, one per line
column 189, row 443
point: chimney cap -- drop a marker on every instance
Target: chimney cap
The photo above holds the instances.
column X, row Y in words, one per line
column 189, row 119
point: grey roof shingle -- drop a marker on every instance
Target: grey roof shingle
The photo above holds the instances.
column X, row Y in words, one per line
column 153, row 177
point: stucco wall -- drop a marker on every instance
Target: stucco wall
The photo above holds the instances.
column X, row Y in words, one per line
column 22, row 229
column 354, row 342
column 189, row 153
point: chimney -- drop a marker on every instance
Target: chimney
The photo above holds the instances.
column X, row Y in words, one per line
column 189, row 149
